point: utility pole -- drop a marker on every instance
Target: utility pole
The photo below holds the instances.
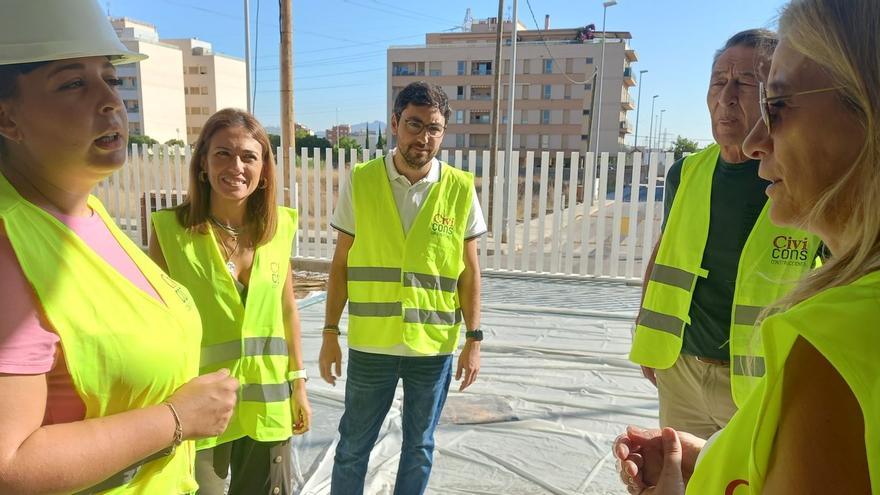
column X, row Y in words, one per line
column 288, row 136
column 512, row 178
column 638, row 109
column 605, row 5
column 247, row 51
column 496, row 96
column 660, row 126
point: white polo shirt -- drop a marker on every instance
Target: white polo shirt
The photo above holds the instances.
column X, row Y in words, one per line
column 408, row 198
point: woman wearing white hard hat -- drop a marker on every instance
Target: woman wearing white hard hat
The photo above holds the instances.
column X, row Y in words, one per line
column 99, row 349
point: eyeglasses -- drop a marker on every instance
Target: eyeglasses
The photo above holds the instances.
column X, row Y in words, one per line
column 415, row 128
column 767, row 102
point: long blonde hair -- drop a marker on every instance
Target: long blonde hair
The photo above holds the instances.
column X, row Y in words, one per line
column 842, row 38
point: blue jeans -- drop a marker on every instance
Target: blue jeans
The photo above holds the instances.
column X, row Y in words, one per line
column 369, row 392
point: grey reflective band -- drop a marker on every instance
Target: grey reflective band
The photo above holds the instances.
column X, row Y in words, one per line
column 425, row 281
column 746, row 315
column 125, row 476
column 661, row 322
column 373, row 274
column 256, row 392
column 250, row 346
column 675, row 277
column 374, row 309
column 414, row 315
column 748, row 366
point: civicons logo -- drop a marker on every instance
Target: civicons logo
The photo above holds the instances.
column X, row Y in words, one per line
column 442, row 225
column 789, row 250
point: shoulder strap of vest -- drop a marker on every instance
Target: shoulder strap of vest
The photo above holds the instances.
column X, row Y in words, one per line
column 9, row 197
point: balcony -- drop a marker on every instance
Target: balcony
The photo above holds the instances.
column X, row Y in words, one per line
column 627, row 103
column 631, row 55
column 628, row 79
column 481, row 68
column 481, row 93
column 480, row 118
column 408, row 69
column 625, row 127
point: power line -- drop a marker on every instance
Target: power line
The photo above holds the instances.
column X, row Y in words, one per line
column 396, row 11
column 256, row 50
column 544, row 42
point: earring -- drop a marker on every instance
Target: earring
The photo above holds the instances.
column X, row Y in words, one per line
column 263, row 183
column 203, row 176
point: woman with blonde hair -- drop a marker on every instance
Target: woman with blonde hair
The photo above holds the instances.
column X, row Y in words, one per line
column 813, row 426
column 98, row 347
column 230, row 245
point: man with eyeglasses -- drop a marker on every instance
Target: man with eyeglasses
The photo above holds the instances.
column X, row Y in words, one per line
column 406, row 262
column 719, row 261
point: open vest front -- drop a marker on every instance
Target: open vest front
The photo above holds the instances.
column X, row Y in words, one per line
column 772, row 261
column 403, row 288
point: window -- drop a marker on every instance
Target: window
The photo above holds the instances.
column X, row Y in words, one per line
column 545, row 141
column 204, row 90
column 507, row 66
column 585, row 137
column 480, row 117
column 547, row 92
column 589, row 60
column 132, row 106
column 481, row 68
column 567, row 92
column 459, row 116
column 192, row 69
column 504, row 119
column 134, row 128
column 588, row 86
column 569, row 65
column 435, row 69
column 525, row 92
column 408, row 69
column 524, row 117
column 545, row 116
column 527, row 67
column 206, row 111
column 461, row 67
column 548, row 66
column 459, row 140
column 587, row 112
column 186, row 90
column 479, row 140
column 481, row 92
column 129, row 82
column 203, row 69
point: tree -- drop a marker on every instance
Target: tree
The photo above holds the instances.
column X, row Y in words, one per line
column 175, row 142
column 380, row 141
column 311, row 141
column 275, row 141
column 347, row 143
column 684, row 145
column 140, row 139
column 367, row 139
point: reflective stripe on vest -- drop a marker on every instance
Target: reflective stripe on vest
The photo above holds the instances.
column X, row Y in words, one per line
column 764, row 274
column 250, row 339
column 402, row 289
column 124, row 349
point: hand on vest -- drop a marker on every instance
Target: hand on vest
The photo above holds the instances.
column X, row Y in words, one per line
column 644, row 463
column 330, row 355
column 300, row 409
column 205, row 404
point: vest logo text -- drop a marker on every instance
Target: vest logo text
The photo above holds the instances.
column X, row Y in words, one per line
column 788, row 250
column 442, row 225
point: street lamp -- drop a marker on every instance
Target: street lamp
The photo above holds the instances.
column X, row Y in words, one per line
column 651, row 128
column 659, row 130
column 638, row 108
column 605, row 5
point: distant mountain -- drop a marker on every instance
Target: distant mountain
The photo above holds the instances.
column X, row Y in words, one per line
column 374, row 125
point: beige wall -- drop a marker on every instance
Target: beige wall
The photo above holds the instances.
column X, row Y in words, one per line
column 160, row 91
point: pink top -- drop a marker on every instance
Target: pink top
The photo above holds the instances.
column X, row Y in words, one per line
column 28, row 343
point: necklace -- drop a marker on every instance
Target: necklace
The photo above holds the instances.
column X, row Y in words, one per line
column 230, row 265
column 233, row 232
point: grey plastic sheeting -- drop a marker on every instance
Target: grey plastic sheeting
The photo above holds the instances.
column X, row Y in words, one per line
column 553, row 392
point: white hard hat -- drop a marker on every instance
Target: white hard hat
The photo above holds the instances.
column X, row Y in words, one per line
column 45, row 30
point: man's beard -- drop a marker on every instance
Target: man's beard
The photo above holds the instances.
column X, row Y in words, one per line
column 413, row 160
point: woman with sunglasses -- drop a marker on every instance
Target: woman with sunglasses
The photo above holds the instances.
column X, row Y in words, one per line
column 229, row 244
column 98, row 347
column 813, row 425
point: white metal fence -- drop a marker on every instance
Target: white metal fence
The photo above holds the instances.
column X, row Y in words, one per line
column 557, row 223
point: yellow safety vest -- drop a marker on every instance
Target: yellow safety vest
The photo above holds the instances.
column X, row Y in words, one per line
column 772, row 261
column 841, row 324
column 403, row 288
column 124, row 349
column 248, row 339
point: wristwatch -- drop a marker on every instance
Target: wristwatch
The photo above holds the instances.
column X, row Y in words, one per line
column 297, row 375
column 476, row 335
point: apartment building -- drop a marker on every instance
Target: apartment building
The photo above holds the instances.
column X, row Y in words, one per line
column 336, row 132
column 554, row 95
column 212, row 81
column 171, row 94
column 152, row 90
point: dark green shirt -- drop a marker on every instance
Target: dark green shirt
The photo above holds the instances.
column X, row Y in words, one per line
column 738, row 196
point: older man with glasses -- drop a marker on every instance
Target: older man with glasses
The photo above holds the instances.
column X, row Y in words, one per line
column 719, row 261
column 406, row 262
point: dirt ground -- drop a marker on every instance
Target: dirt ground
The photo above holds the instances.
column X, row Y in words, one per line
column 305, row 283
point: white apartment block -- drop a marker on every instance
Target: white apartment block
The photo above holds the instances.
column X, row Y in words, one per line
column 212, row 81
column 554, row 97
column 171, row 94
column 152, row 89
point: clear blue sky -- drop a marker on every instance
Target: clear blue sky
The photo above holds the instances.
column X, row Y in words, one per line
column 340, row 58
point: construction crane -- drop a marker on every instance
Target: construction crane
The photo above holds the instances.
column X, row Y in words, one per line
column 468, row 21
